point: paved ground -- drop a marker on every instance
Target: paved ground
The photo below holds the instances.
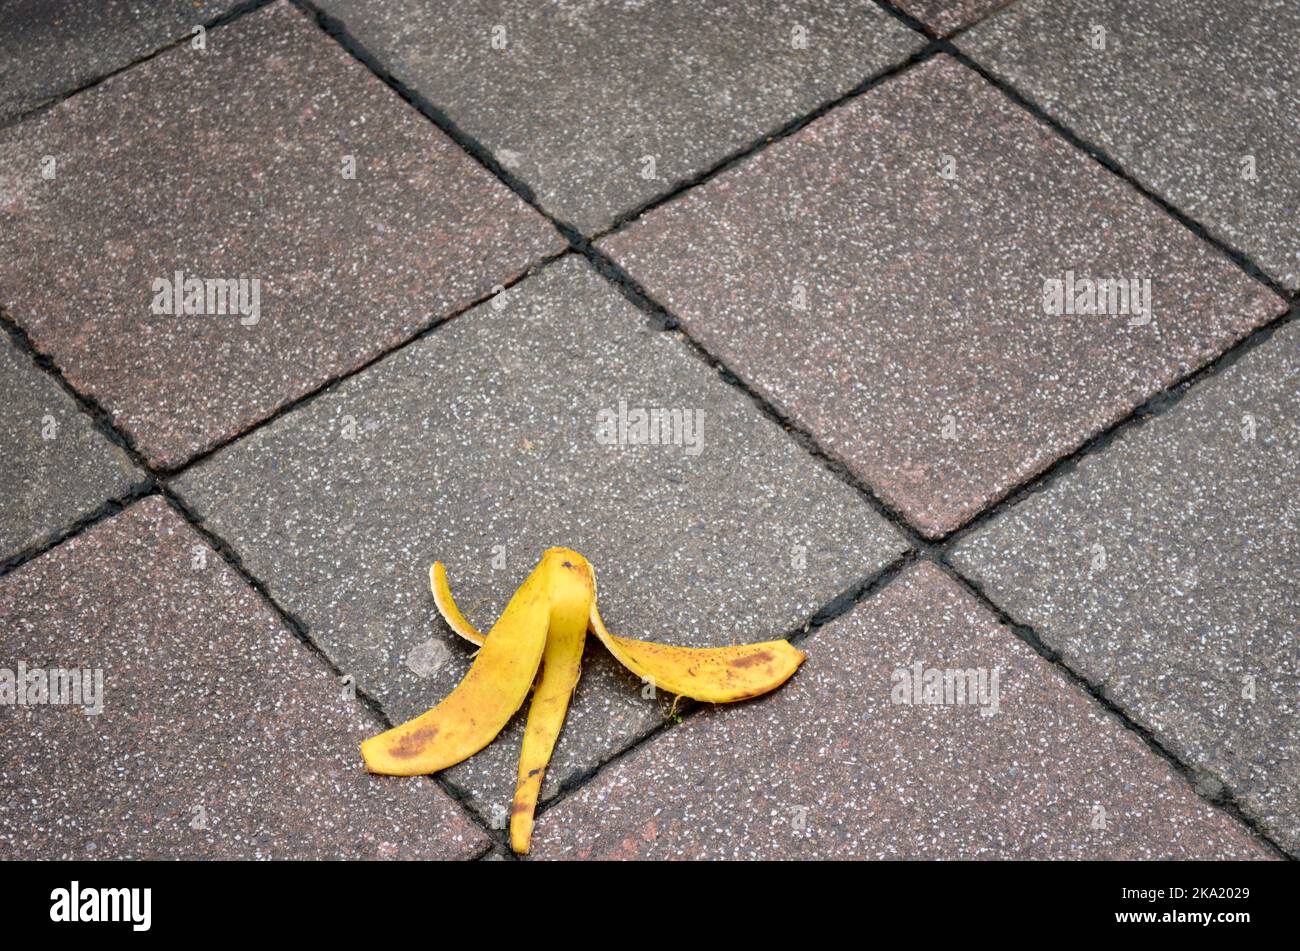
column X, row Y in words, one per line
column 1042, row 554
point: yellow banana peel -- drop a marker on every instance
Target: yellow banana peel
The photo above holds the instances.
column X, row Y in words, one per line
column 539, row 640
column 708, row 674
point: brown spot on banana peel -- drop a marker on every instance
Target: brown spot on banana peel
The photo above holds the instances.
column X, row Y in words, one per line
column 412, row 743
column 749, row 660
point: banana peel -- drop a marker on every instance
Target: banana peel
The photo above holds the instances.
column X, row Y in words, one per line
column 708, row 674
column 538, row 641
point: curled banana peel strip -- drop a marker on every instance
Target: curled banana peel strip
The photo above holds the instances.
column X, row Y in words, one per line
column 538, row 641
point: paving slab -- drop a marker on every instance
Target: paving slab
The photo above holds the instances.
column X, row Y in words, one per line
column 213, row 731
column 51, row 47
column 945, row 17
column 1195, row 98
column 481, row 445
column 883, row 277
column 1167, row 569
column 839, row 764
column 601, row 107
column 229, row 164
column 57, row 466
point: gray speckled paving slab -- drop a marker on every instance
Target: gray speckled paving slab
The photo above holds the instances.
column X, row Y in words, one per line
column 219, row 735
column 229, row 164
column 881, row 276
column 1167, row 569
column 48, row 47
column 573, row 96
column 56, row 466
column 478, row 446
column 832, row 765
column 1188, row 96
column 947, row 16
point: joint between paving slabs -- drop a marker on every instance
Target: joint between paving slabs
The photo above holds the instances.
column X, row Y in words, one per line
column 105, row 510
column 1220, row 796
column 337, row 30
column 926, row 30
column 229, row 16
column 99, row 417
column 906, row 19
column 1154, row 407
column 333, row 382
column 1106, row 161
column 666, row 321
column 677, row 188
column 290, row 620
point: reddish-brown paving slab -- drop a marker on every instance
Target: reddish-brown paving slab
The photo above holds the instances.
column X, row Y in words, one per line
column 230, row 163
column 220, row 735
column 946, row 16
column 881, row 277
column 834, row 765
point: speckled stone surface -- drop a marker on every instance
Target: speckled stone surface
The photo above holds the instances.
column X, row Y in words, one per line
column 946, row 16
column 1188, row 96
column 1167, row 568
column 228, row 163
column 574, row 96
column 478, row 446
column 56, row 466
column 220, row 735
column 831, row 767
column 49, row 47
column 899, row 314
